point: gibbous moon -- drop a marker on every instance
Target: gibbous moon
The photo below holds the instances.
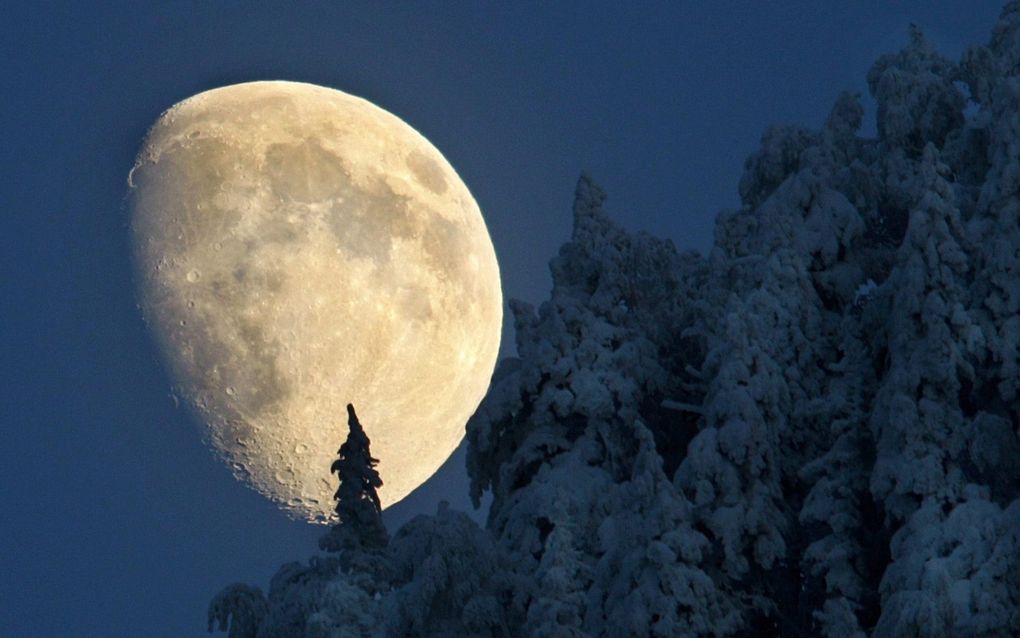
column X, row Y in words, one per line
column 299, row 249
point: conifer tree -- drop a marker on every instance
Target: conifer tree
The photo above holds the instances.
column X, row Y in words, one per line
column 357, row 503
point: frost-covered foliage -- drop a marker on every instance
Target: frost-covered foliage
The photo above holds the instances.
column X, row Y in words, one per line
column 453, row 579
column 571, row 442
column 833, row 374
column 814, row 430
column 239, row 607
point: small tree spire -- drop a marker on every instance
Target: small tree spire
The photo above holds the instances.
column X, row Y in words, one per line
column 357, row 502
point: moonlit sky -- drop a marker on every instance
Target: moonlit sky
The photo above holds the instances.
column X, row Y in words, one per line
column 116, row 520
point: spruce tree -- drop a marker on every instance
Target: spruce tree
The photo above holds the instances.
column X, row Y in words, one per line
column 357, row 503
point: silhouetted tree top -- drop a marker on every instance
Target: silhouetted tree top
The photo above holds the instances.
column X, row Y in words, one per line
column 357, row 501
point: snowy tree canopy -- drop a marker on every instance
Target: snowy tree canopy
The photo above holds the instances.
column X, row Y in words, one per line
column 813, row 430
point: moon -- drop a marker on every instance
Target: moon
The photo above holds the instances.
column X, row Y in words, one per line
column 297, row 249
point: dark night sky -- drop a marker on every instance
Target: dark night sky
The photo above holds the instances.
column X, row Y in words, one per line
column 117, row 521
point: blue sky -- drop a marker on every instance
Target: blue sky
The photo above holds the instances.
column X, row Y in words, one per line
column 118, row 521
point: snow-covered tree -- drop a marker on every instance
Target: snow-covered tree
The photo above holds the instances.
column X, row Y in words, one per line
column 651, row 578
column 606, row 382
column 839, row 503
column 950, row 395
column 916, row 419
column 558, row 604
column 451, row 579
column 305, row 595
column 238, row 608
column 917, row 102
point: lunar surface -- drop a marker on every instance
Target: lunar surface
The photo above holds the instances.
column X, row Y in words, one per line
column 299, row 249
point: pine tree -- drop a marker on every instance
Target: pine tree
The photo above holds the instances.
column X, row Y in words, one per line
column 357, row 502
